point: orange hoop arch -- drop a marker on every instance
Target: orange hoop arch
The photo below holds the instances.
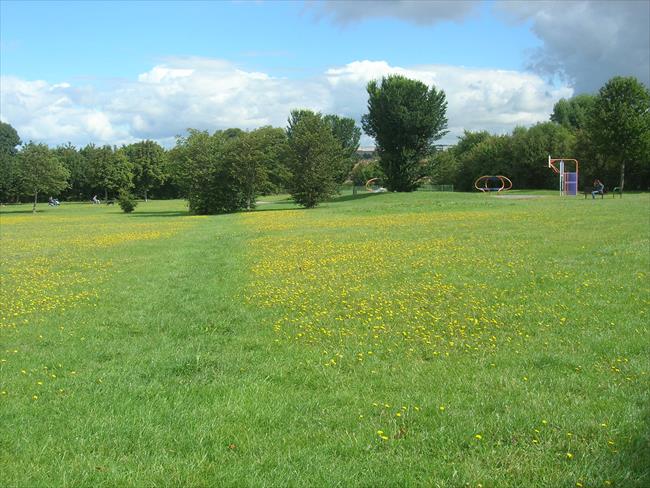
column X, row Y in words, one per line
column 369, row 184
column 506, row 184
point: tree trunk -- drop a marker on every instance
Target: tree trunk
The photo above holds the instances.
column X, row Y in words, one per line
column 106, row 194
column 251, row 191
column 35, row 200
column 145, row 196
column 622, row 178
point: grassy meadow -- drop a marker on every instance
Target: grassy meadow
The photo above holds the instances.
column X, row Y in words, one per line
column 425, row 339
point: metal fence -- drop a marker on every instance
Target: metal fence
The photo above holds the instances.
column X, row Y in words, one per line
column 436, row 188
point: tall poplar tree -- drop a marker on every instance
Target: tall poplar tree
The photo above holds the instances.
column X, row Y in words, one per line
column 404, row 117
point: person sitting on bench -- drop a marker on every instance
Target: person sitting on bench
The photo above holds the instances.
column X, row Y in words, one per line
column 599, row 188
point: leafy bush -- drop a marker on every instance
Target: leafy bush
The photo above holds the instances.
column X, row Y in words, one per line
column 314, row 158
column 126, row 201
column 365, row 170
column 209, row 170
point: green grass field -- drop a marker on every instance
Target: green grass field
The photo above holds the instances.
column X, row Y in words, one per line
column 426, row 339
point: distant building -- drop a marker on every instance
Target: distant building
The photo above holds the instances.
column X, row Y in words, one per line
column 370, row 152
column 366, row 152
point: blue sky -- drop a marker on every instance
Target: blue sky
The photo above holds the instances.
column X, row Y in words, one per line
column 58, row 41
column 114, row 72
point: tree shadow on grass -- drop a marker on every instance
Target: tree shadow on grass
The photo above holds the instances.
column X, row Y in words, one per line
column 637, row 452
column 185, row 213
column 347, row 198
column 286, row 201
column 9, row 211
column 258, row 209
column 336, row 199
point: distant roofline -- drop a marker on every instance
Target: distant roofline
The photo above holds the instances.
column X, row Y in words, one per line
column 370, row 149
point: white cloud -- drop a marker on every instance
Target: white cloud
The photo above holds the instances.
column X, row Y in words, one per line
column 161, row 74
column 55, row 113
column 584, row 41
column 214, row 94
column 477, row 99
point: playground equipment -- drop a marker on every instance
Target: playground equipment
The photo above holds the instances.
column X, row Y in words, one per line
column 373, row 186
column 568, row 180
column 484, row 183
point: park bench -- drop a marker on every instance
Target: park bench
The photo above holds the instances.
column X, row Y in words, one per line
column 588, row 189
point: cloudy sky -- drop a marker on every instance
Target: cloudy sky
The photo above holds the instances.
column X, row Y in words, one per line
column 117, row 72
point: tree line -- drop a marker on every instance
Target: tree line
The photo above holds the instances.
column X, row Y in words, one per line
column 217, row 173
column 315, row 153
column 609, row 133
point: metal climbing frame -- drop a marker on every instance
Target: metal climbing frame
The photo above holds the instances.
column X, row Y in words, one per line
column 568, row 180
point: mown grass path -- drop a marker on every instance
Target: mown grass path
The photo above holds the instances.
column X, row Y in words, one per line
column 385, row 340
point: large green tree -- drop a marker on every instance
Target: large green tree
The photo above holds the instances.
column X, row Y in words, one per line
column 442, row 167
column 529, row 149
column 203, row 167
column 458, row 162
column 245, row 155
column 255, row 156
column 492, row 156
column 273, row 144
column 40, row 171
column 519, row 155
column 148, row 161
column 77, row 165
column 404, row 117
column 109, row 169
column 573, row 113
column 620, row 125
column 314, row 158
column 348, row 134
column 9, row 140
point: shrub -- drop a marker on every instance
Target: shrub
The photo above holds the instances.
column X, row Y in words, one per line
column 365, row 170
column 314, row 158
column 126, row 201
